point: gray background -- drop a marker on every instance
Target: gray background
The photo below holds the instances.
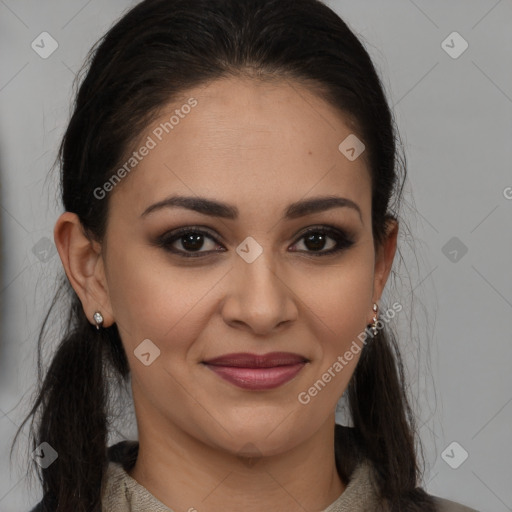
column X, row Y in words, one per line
column 455, row 119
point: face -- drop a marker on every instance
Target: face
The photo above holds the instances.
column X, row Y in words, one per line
column 266, row 278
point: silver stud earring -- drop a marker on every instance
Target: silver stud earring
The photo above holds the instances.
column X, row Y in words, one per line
column 374, row 319
column 98, row 318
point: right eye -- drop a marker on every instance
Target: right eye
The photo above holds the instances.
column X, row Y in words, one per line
column 191, row 240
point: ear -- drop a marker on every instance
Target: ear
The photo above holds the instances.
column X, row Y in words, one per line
column 384, row 259
column 83, row 262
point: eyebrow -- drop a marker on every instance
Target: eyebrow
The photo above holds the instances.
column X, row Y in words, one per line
column 215, row 208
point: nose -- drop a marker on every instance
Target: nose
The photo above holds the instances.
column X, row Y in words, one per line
column 260, row 298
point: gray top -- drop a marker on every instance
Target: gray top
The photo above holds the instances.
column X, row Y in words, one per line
column 122, row 493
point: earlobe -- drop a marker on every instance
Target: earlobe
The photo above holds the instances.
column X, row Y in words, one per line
column 384, row 258
column 83, row 264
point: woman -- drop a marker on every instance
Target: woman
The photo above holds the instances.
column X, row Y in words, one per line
column 227, row 178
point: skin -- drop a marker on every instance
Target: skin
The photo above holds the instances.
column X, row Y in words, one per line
column 258, row 146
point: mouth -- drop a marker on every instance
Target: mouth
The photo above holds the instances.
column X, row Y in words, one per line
column 257, row 372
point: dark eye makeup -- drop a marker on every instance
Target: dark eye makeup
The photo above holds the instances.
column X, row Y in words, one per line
column 194, row 236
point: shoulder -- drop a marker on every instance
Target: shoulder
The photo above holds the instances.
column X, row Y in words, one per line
column 441, row 504
column 124, row 453
column 349, row 456
column 450, row 506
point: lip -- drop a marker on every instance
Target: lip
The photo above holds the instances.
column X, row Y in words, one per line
column 257, row 372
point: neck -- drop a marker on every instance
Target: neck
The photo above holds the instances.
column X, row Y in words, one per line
column 187, row 474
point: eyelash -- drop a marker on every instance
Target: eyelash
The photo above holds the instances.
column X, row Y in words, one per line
column 343, row 241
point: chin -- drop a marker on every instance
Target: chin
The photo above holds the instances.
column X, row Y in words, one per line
column 261, row 437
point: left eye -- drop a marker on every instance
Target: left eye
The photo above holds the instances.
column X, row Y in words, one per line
column 315, row 239
column 192, row 241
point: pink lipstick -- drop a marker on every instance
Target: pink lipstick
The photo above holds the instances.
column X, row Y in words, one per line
column 257, row 372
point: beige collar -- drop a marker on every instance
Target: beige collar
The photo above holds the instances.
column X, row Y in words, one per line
column 124, row 494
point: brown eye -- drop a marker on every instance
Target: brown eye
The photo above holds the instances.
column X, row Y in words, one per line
column 315, row 240
column 191, row 241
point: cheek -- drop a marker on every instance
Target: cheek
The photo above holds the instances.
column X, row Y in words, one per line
column 340, row 297
column 159, row 301
column 340, row 306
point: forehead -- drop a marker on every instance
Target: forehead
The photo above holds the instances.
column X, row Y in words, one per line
column 260, row 145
